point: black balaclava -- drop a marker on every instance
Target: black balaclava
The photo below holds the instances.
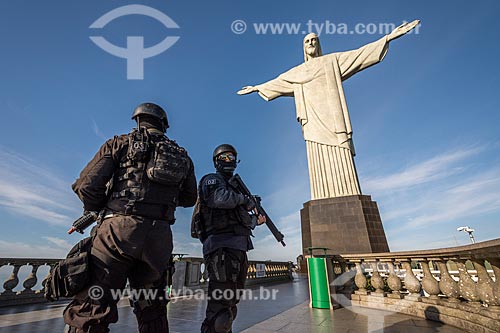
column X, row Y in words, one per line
column 226, row 168
column 151, row 122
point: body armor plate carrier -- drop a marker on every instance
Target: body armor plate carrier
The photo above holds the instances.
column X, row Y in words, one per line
column 149, row 176
column 209, row 221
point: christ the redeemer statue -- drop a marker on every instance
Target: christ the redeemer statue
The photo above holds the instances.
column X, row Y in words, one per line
column 322, row 111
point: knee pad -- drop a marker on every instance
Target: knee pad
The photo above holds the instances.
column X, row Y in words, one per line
column 223, row 321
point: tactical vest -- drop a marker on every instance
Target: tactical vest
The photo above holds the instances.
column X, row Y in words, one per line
column 133, row 192
column 220, row 221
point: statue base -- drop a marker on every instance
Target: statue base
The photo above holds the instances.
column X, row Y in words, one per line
column 348, row 224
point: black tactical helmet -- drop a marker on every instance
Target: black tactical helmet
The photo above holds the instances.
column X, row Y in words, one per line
column 153, row 110
column 224, row 148
column 224, row 166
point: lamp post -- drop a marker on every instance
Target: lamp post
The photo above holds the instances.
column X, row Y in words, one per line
column 468, row 230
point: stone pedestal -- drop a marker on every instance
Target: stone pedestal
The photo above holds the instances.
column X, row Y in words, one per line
column 348, row 224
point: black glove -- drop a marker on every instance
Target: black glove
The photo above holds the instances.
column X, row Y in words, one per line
column 248, row 203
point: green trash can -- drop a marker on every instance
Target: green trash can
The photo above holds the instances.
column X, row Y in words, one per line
column 318, row 281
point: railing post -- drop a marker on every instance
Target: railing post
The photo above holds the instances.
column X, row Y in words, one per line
column 360, row 280
column 394, row 282
column 495, row 264
column 467, row 286
column 377, row 281
column 449, row 287
column 484, row 286
column 31, row 279
column 12, row 281
column 429, row 283
column 412, row 284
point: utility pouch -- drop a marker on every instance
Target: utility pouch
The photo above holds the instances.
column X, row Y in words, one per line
column 70, row 275
column 138, row 145
column 217, row 264
column 235, row 269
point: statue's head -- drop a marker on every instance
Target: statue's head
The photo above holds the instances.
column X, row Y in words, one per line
column 312, row 47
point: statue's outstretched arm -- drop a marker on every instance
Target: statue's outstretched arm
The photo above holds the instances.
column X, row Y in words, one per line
column 402, row 29
column 247, row 90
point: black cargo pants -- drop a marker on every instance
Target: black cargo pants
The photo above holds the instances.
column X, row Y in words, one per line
column 124, row 247
column 227, row 273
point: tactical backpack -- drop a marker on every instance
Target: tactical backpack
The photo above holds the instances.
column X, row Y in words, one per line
column 149, row 177
column 169, row 164
column 70, row 275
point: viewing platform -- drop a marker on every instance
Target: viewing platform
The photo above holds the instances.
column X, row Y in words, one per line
column 290, row 312
column 443, row 290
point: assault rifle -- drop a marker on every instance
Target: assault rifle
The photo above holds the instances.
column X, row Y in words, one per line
column 83, row 222
column 237, row 183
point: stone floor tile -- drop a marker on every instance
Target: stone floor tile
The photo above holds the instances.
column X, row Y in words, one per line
column 257, row 330
column 302, row 328
column 272, row 325
column 448, row 329
column 426, row 323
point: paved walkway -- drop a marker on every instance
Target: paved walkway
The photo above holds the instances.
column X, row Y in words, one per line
column 302, row 319
column 289, row 312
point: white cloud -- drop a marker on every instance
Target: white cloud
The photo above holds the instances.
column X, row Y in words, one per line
column 422, row 241
column 439, row 167
column 61, row 243
column 29, row 250
column 28, row 189
column 477, row 196
column 97, row 131
column 462, row 189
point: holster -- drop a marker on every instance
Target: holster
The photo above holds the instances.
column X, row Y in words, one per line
column 224, row 267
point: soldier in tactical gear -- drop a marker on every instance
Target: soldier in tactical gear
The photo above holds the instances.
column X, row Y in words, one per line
column 150, row 175
column 225, row 229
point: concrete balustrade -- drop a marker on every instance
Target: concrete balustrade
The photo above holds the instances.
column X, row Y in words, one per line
column 458, row 286
column 26, row 296
column 190, row 273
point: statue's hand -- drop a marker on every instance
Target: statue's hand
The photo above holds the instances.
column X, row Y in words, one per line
column 402, row 29
column 247, row 90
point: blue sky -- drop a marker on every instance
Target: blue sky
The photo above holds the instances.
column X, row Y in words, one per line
column 426, row 119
